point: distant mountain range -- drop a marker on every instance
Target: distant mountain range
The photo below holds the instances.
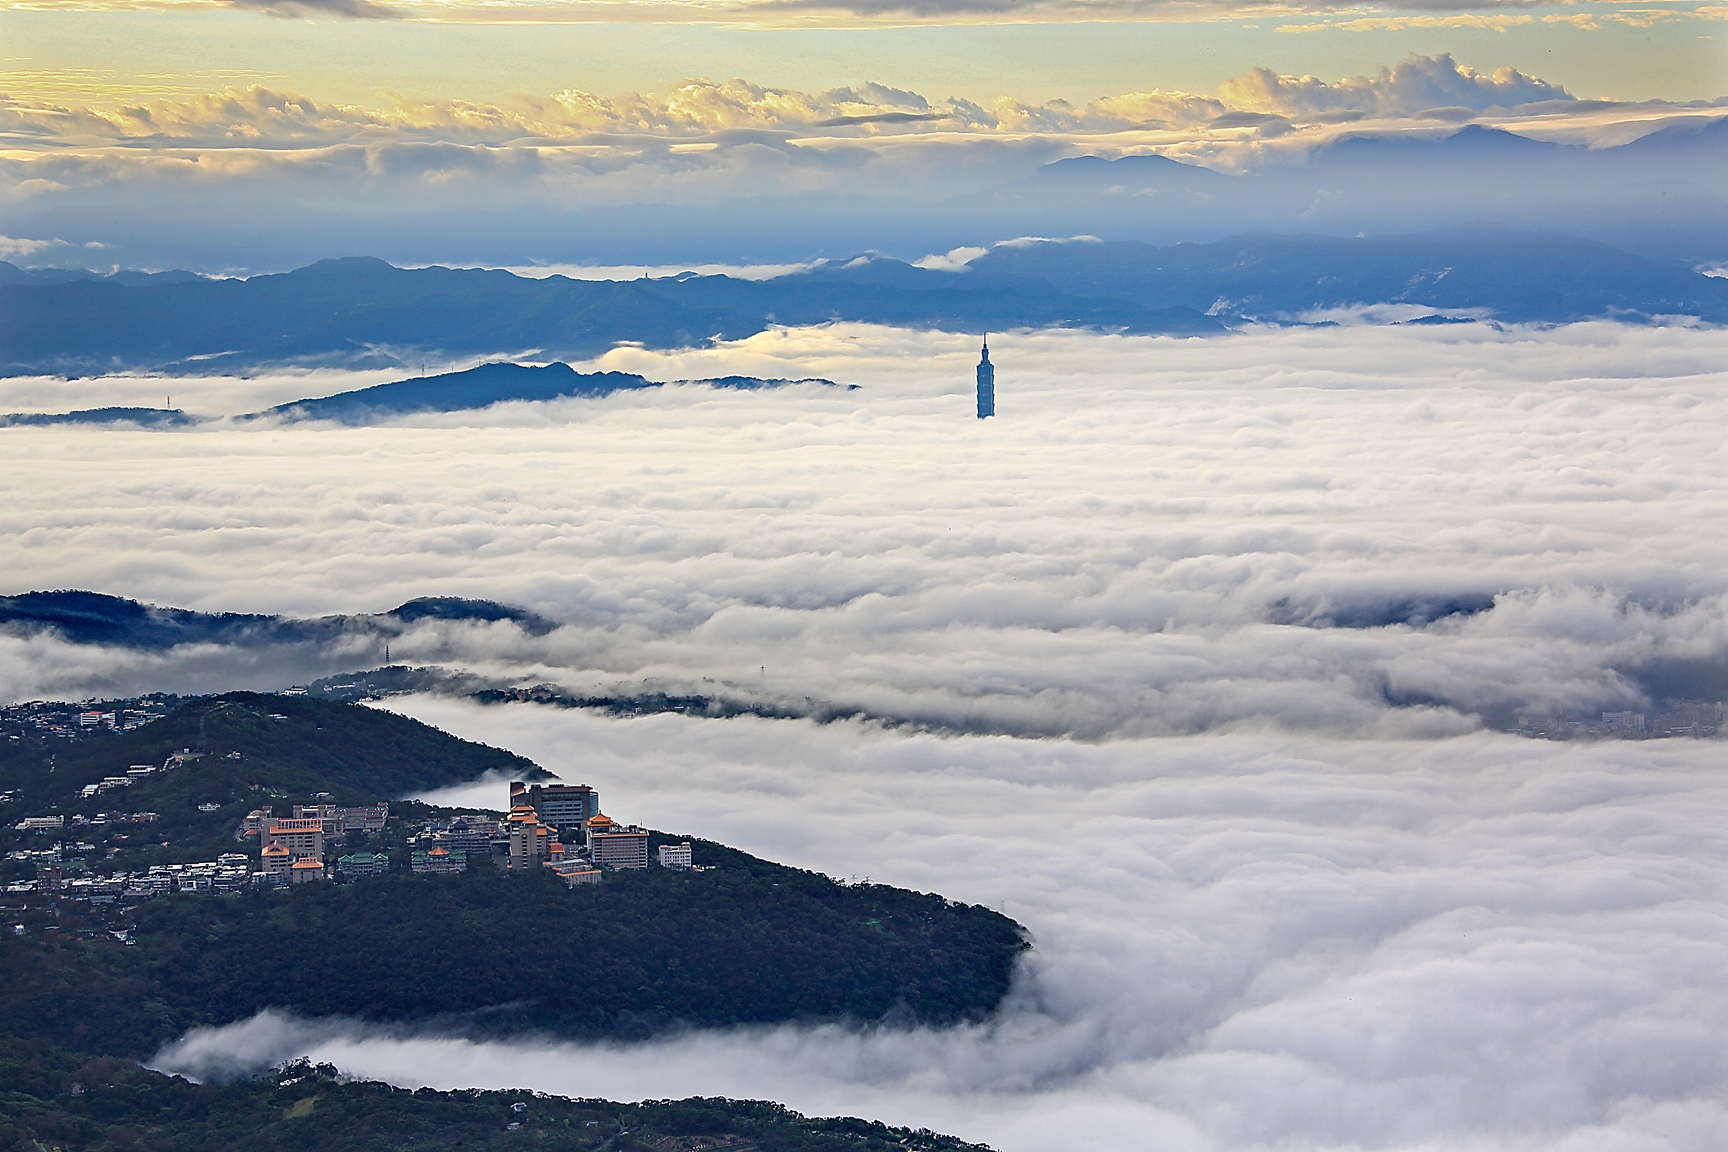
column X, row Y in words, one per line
column 361, row 312
column 143, row 417
column 1661, row 196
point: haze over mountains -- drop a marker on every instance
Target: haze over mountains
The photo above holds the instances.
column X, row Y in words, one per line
column 362, row 312
column 776, row 194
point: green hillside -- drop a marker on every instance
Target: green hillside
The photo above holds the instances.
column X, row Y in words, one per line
column 52, row 1099
column 747, row 943
column 87, row 988
column 251, row 750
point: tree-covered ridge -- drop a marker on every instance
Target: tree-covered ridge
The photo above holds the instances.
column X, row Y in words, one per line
column 50, row 1098
column 747, row 942
column 744, row 941
column 251, row 748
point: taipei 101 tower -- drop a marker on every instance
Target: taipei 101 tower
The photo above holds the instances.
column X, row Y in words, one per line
column 986, row 382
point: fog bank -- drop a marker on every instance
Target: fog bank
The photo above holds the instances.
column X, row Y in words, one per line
column 1371, row 530
column 1242, row 941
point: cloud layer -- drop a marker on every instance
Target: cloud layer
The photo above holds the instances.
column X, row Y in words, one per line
column 1366, row 530
column 1242, row 942
column 732, row 171
column 700, row 107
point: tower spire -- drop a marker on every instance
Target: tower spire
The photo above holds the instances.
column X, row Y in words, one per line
column 986, row 382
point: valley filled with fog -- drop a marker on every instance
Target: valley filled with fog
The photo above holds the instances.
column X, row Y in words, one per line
column 1189, row 660
column 1242, row 941
column 1364, row 530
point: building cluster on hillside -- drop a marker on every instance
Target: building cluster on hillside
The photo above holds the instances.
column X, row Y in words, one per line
column 229, row 872
column 94, row 823
column 1698, row 719
column 555, row 826
column 72, row 722
column 137, row 772
column 291, row 848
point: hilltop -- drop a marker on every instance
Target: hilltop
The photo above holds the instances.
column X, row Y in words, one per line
column 744, row 941
column 91, row 986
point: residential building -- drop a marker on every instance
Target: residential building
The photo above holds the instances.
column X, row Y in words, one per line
column 613, row 846
column 560, row 805
column 675, row 856
column 530, row 841
column 41, row 823
column 155, row 884
column 1624, row 721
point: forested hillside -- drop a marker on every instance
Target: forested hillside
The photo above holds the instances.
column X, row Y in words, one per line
column 50, row 1098
column 747, row 942
column 88, row 987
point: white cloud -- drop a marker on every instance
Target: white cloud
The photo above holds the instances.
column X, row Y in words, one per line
column 12, row 248
column 956, row 259
column 1242, row 941
column 1414, row 85
column 1155, row 536
column 1285, row 897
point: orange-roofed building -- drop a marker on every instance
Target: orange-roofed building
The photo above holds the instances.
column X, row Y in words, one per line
column 530, row 843
column 275, row 859
column 303, row 870
column 304, row 838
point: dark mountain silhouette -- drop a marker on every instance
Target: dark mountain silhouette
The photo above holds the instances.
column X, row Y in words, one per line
column 93, row 618
column 483, row 385
column 143, row 417
column 455, row 391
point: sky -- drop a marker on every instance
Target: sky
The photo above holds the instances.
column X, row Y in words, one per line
column 256, row 135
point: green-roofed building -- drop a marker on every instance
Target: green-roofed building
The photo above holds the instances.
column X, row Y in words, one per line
column 363, row 864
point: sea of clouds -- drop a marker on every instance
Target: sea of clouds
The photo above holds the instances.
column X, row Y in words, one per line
column 1185, row 699
column 1242, row 941
column 1367, row 529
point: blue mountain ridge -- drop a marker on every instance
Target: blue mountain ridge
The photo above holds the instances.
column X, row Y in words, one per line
column 342, row 312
